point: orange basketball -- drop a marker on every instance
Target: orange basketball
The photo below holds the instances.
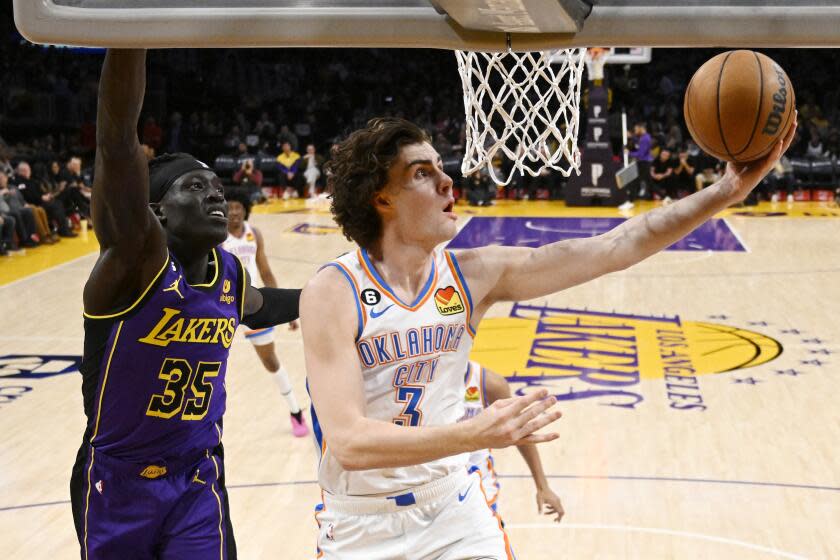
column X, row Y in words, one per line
column 738, row 105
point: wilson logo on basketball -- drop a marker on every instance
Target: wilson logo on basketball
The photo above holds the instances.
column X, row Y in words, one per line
column 774, row 119
column 448, row 301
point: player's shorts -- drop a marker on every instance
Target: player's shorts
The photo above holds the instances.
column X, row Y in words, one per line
column 260, row 337
column 447, row 519
column 489, row 480
column 139, row 511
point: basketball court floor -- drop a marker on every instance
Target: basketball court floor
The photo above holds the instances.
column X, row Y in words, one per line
column 699, row 392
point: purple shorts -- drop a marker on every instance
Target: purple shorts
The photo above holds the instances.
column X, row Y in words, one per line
column 163, row 510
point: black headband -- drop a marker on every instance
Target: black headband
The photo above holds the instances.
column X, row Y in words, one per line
column 164, row 174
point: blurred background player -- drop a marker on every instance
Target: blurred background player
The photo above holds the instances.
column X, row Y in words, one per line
column 483, row 387
column 246, row 242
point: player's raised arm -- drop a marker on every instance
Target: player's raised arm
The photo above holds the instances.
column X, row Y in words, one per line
column 131, row 239
column 330, row 325
column 512, row 274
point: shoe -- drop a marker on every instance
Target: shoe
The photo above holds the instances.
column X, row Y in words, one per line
column 17, row 252
column 299, row 429
column 666, row 201
column 68, row 233
column 626, row 206
column 790, row 198
column 774, row 198
column 29, row 243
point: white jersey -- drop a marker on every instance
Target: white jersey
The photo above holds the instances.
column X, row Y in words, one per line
column 475, row 400
column 413, row 357
column 245, row 248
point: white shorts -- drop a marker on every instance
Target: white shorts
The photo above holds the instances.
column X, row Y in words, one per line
column 489, row 480
column 260, row 337
column 448, row 519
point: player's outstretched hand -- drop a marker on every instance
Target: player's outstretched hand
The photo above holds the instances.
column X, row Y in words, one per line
column 513, row 421
column 744, row 177
column 552, row 504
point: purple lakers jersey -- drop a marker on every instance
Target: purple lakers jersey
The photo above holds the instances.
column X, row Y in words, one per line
column 153, row 374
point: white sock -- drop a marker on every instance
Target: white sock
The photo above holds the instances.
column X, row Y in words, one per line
column 282, row 379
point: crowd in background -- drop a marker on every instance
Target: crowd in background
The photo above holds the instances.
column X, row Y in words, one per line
column 266, row 119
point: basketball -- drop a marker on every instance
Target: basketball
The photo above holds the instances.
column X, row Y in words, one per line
column 738, row 105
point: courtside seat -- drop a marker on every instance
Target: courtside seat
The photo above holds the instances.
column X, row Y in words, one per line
column 268, row 166
column 823, row 174
column 801, row 172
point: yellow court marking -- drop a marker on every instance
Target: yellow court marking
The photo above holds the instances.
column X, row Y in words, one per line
column 46, row 256
column 558, row 208
column 544, row 341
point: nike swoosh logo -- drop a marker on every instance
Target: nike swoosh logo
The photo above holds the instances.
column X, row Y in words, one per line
column 462, row 497
column 374, row 314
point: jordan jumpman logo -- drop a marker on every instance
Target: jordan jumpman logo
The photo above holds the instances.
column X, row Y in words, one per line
column 174, row 288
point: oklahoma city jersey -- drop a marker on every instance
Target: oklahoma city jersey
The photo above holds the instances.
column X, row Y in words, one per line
column 413, row 356
column 245, row 248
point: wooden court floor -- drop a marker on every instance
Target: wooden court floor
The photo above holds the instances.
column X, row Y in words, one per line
column 699, row 390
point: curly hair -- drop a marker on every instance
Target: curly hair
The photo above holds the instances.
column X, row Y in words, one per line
column 239, row 195
column 358, row 171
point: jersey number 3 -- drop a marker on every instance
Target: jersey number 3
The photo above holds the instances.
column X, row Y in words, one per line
column 180, row 376
column 410, row 396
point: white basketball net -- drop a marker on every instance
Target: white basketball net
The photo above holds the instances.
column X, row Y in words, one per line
column 521, row 107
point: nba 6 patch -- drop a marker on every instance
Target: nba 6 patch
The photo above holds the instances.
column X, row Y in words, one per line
column 448, row 301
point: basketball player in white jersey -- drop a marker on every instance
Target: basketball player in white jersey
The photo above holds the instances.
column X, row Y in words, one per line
column 387, row 333
column 246, row 242
column 482, row 388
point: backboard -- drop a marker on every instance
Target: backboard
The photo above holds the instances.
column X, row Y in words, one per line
column 486, row 25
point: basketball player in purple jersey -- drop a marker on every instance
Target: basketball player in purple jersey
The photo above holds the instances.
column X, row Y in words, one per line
column 161, row 307
column 387, row 385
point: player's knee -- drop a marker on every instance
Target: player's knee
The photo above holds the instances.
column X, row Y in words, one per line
column 271, row 363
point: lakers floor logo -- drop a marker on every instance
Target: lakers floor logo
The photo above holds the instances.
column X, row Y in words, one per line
column 17, row 370
column 614, row 359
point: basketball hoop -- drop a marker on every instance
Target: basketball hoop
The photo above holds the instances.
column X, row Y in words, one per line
column 520, row 107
